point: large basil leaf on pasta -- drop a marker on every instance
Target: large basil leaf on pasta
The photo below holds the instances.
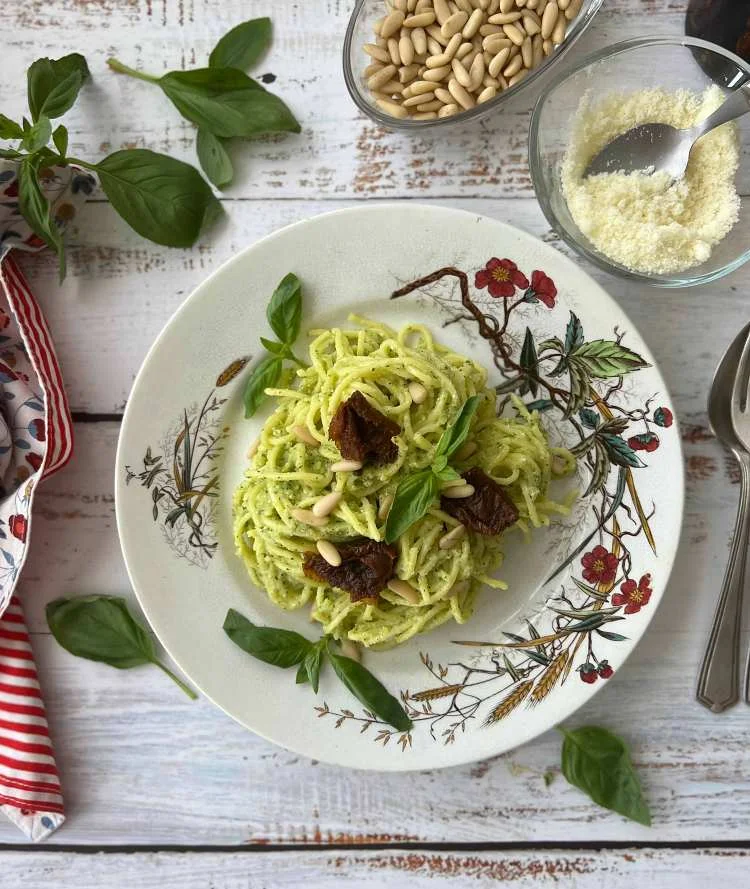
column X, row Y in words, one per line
column 453, row 437
column 284, row 311
column 414, row 496
column 265, row 374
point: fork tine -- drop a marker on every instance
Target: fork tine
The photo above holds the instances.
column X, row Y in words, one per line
column 742, row 380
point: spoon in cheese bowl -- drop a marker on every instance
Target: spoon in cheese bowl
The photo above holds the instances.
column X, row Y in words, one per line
column 659, row 147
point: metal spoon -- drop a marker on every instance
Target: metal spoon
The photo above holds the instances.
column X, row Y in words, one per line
column 718, row 680
column 658, row 147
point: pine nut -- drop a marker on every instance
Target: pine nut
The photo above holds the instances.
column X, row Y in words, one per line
column 463, row 50
column 349, row 465
column 406, row 50
column 549, row 19
column 433, row 47
column 304, row 434
column 253, row 449
column 423, row 6
column 491, row 81
column 393, row 86
column 472, row 25
column 378, row 25
column 427, row 107
column 329, row 552
column 376, row 52
column 419, row 39
column 445, row 97
column 449, row 540
column 461, row 74
column 563, row 4
column 504, row 18
column 393, row 51
column 307, row 518
column 466, row 450
column 442, row 10
column 454, row 24
column 513, row 67
column 404, row 589
column 437, row 35
column 372, row 69
column 407, row 73
column 507, row 5
column 476, row 72
column 496, row 65
column 385, row 505
column 452, row 483
column 417, row 391
column 351, row 650
column 437, row 74
column 452, row 46
column 573, row 9
column 489, row 92
column 326, row 505
column 420, row 87
column 486, row 30
column 448, row 110
column 399, row 4
column 465, row 5
column 382, row 77
column 459, row 492
column 392, row 24
column 493, row 43
column 438, row 61
column 530, row 26
column 514, row 33
column 420, row 20
column 517, row 78
column 536, row 49
column 411, row 5
column 558, row 35
column 527, row 54
column 413, row 101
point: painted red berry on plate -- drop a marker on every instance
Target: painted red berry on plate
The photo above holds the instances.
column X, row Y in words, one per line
column 647, row 441
column 663, row 417
column 588, row 673
column 604, row 670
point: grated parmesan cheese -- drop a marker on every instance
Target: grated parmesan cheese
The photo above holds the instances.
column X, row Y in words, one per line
column 649, row 223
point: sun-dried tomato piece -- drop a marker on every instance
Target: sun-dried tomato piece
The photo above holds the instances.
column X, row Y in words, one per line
column 488, row 511
column 363, row 433
column 365, row 569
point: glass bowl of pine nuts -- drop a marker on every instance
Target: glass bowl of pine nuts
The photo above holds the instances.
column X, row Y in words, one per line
column 416, row 64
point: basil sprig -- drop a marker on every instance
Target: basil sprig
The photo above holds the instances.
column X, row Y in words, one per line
column 598, row 763
column 160, row 197
column 221, row 99
column 285, row 648
column 416, row 493
column 101, row 628
column 284, row 313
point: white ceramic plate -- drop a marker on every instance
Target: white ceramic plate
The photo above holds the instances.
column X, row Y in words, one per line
column 467, row 703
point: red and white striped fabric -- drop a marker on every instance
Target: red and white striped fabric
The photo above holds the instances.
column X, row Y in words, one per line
column 30, row 792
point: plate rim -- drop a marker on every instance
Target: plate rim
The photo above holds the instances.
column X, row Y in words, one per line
column 394, row 764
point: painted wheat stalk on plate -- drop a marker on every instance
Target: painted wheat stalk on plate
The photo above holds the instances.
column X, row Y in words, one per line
column 509, row 702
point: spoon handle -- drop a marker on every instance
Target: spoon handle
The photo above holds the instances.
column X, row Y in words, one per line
column 735, row 106
column 718, row 680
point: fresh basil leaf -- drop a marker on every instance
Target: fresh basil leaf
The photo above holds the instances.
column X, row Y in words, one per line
column 214, row 159
column 163, row 199
column 597, row 762
column 9, row 129
column 446, row 474
column 414, row 496
column 264, row 375
column 274, row 347
column 312, row 664
column 60, row 139
column 35, row 208
column 369, row 691
column 10, row 153
column 453, row 437
column 243, row 45
column 284, row 311
column 280, row 648
column 54, row 84
column 38, row 135
column 101, row 628
column 227, row 102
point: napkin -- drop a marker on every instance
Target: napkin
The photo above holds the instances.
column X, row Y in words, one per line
column 36, row 440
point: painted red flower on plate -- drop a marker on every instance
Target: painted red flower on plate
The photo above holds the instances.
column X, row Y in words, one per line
column 634, row 596
column 18, row 525
column 599, row 566
column 500, row 277
column 544, row 288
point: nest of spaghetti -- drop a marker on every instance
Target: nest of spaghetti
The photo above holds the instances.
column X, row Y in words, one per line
column 324, row 472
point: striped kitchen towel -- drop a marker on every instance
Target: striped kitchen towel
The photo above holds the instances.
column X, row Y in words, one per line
column 36, row 439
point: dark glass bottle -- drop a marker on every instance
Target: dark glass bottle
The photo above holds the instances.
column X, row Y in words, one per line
column 726, row 22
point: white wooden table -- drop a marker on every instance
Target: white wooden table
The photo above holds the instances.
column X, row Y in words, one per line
column 174, row 793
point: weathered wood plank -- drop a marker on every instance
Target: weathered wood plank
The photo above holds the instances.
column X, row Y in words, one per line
column 617, row 869
column 121, row 290
column 141, row 764
column 339, row 153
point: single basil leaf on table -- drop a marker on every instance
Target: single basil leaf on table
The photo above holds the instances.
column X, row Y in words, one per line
column 227, row 102
column 38, row 135
column 284, row 310
column 369, row 691
column 9, row 129
column 163, row 199
column 597, row 762
column 413, row 497
column 35, row 208
column 214, row 159
column 54, row 84
column 243, row 45
column 455, row 435
column 60, row 139
column 281, row 648
column 263, row 376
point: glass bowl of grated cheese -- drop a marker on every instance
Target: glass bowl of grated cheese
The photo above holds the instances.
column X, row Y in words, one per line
column 646, row 227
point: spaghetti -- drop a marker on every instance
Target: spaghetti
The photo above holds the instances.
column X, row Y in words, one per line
column 287, row 474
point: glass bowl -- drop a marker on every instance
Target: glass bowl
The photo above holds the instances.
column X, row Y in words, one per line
column 670, row 63
column 360, row 31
